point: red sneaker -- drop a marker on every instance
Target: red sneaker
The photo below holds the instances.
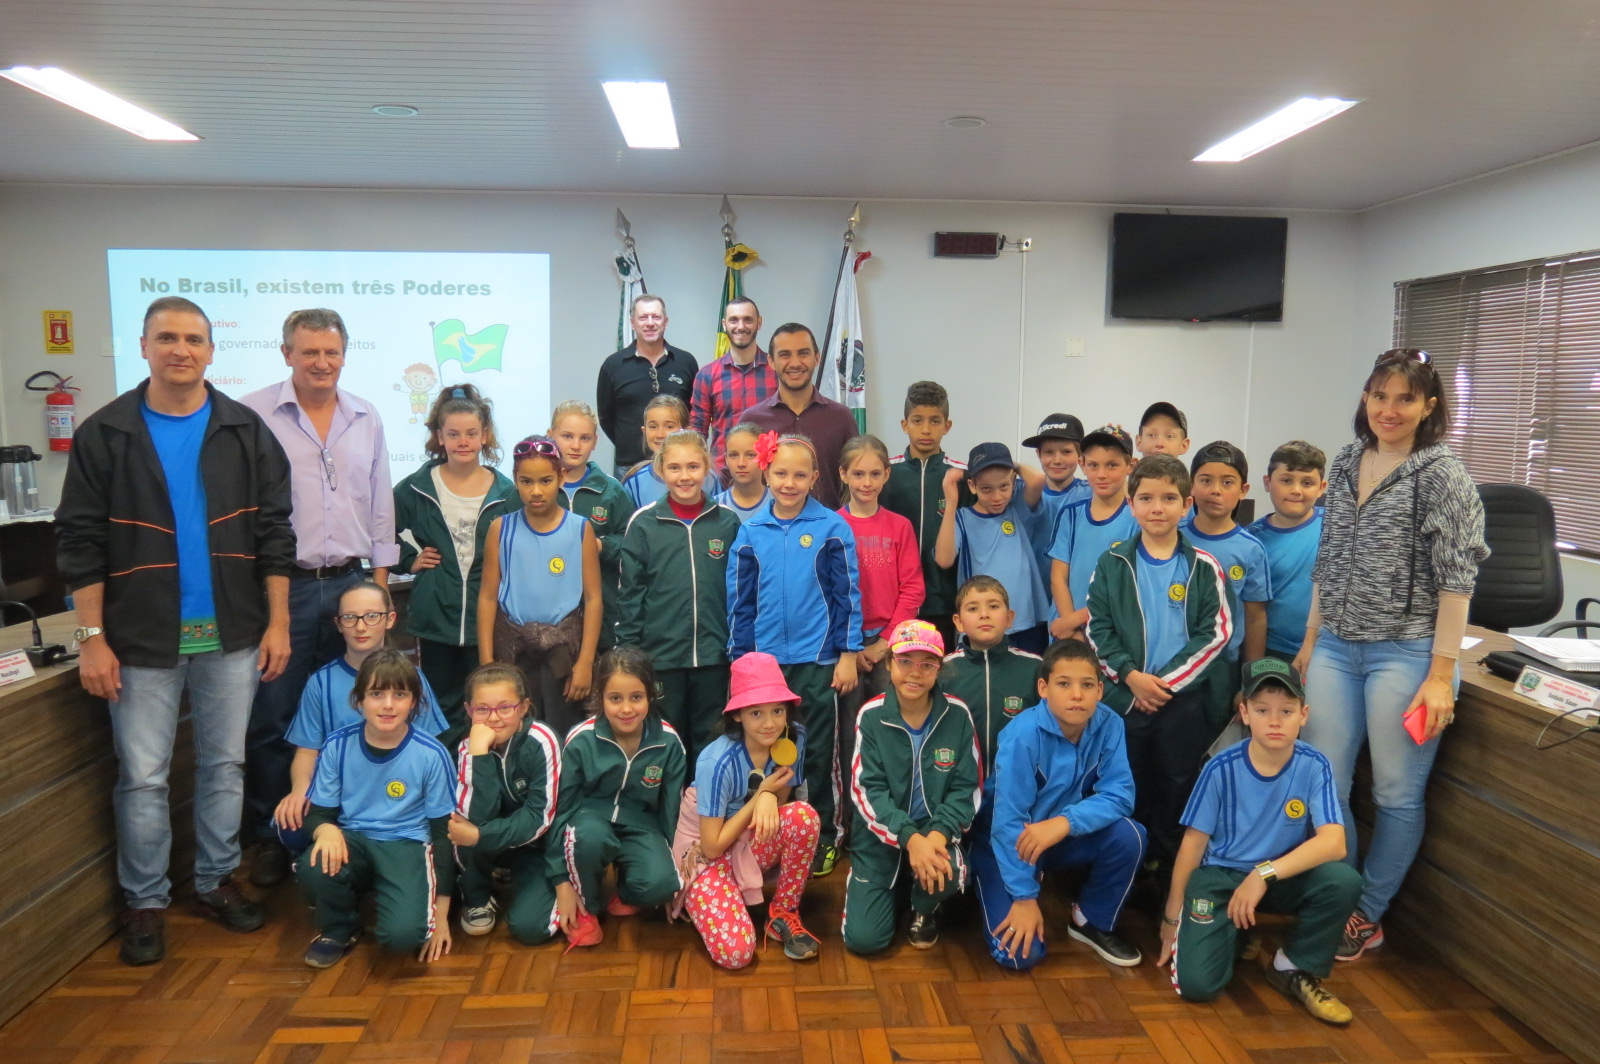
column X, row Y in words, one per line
column 587, row 933
column 617, row 907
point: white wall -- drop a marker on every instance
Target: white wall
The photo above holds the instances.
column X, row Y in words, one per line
column 1546, row 208
column 952, row 321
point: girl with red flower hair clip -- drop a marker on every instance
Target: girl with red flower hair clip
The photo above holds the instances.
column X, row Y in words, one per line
column 747, row 486
column 794, row 593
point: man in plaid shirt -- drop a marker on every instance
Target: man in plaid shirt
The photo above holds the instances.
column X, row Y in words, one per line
column 730, row 385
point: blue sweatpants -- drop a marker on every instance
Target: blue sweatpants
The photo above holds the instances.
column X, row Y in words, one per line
column 1113, row 854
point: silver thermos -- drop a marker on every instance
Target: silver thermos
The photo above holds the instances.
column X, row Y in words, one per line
column 17, row 478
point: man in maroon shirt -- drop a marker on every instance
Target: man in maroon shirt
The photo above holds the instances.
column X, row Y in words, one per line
column 797, row 406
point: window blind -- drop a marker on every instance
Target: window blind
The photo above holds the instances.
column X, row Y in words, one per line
column 1518, row 347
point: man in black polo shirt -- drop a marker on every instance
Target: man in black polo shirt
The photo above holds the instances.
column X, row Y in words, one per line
column 630, row 378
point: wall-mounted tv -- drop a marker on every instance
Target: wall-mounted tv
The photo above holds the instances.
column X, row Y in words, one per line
column 1197, row 267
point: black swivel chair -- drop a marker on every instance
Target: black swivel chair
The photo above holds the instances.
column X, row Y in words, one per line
column 1519, row 584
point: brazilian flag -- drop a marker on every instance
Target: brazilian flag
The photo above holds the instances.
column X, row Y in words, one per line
column 475, row 351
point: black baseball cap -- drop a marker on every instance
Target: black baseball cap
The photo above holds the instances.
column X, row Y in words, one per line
column 1056, row 427
column 1224, row 452
column 987, row 456
column 1270, row 670
column 1109, row 436
column 1164, row 410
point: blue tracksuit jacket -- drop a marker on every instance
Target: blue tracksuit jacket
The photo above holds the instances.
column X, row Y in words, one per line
column 794, row 592
column 1039, row 774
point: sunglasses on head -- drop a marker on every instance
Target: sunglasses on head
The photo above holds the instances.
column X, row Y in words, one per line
column 540, row 447
column 1397, row 355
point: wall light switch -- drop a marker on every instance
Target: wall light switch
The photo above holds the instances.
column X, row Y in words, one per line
column 1074, row 347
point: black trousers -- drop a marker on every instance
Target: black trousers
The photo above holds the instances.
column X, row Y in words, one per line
column 1165, row 752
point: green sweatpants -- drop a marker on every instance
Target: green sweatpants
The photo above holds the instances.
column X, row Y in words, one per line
column 692, row 701
column 1321, row 899
column 399, row 872
column 819, row 712
column 873, row 895
column 531, row 913
column 646, row 873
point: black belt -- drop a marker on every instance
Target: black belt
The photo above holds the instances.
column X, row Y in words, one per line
column 328, row 572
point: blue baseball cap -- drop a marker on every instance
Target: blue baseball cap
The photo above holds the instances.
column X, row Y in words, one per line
column 987, row 456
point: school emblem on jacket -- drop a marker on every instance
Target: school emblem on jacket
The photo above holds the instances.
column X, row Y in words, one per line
column 395, row 789
column 599, row 515
column 944, row 759
column 941, row 507
column 652, row 776
column 1202, row 910
column 1176, row 592
column 1012, row 705
column 558, row 565
column 805, row 540
column 1295, row 809
column 716, row 548
column 1008, row 528
column 1236, row 572
column 520, row 785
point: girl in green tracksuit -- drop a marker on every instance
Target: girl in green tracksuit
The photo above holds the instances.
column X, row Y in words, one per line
column 447, row 507
column 622, row 778
column 507, row 768
column 674, row 596
column 916, row 784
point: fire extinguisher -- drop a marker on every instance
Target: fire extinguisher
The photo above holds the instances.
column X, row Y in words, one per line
column 60, row 417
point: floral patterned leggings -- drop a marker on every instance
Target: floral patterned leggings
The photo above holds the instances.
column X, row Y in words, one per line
column 716, row 905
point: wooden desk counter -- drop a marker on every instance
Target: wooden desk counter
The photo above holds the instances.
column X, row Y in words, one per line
column 1506, row 887
column 59, row 899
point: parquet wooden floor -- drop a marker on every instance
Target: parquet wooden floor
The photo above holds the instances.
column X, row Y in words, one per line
column 649, row 995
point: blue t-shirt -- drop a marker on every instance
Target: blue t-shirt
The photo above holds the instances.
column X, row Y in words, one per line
column 1244, row 561
column 1291, row 552
column 178, row 441
column 1081, row 540
column 998, row 545
column 722, row 774
column 390, row 797
column 1046, row 522
column 325, row 707
column 1253, row 818
column 919, row 736
column 1163, row 586
column 725, row 498
column 644, row 487
column 541, row 573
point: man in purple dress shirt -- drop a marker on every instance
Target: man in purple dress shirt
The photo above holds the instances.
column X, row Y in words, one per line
column 797, row 406
column 343, row 513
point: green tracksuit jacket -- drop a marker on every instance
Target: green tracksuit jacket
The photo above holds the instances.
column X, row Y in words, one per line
column 884, row 774
column 603, row 501
column 1117, row 627
column 996, row 684
column 915, row 491
column 444, row 606
column 674, row 597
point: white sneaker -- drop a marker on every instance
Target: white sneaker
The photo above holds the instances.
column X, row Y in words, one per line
column 479, row 919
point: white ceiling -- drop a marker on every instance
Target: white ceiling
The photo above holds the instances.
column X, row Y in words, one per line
column 1086, row 101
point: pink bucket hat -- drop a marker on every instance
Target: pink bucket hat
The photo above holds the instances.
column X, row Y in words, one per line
column 755, row 680
column 912, row 636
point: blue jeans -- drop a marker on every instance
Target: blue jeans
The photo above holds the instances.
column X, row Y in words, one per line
column 144, row 723
column 1358, row 693
column 314, row 640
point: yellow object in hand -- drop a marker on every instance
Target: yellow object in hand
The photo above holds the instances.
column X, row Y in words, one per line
column 784, row 752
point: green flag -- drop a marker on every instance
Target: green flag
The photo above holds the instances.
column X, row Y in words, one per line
column 475, row 351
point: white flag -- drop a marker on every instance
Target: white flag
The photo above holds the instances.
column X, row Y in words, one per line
column 844, row 373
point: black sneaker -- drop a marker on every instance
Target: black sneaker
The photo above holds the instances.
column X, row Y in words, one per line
column 269, row 864
column 325, row 952
column 1112, row 949
column 822, row 864
column 924, row 931
column 1360, row 935
column 228, row 904
column 798, row 943
column 1309, row 991
column 144, row 936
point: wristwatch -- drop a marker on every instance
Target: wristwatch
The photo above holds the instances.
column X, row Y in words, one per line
column 1266, row 871
column 80, row 634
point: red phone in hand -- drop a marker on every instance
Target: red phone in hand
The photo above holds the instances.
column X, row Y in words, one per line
column 1416, row 722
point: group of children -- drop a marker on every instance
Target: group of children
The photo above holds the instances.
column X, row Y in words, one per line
column 694, row 687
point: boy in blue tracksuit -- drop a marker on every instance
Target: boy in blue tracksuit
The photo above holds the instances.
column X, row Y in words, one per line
column 1063, row 797
column 794, row 592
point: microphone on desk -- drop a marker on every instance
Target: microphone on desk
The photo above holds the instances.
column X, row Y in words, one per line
column 40, row 654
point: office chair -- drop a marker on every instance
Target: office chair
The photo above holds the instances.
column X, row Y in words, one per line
column 1519, row 584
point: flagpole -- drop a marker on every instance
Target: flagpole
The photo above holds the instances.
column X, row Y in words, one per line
column 844, row 255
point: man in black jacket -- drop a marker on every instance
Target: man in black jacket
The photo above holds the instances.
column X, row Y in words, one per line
column 173, row 535
column 633, row 376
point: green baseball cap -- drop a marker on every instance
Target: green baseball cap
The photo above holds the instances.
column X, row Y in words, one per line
column 1262, row 670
